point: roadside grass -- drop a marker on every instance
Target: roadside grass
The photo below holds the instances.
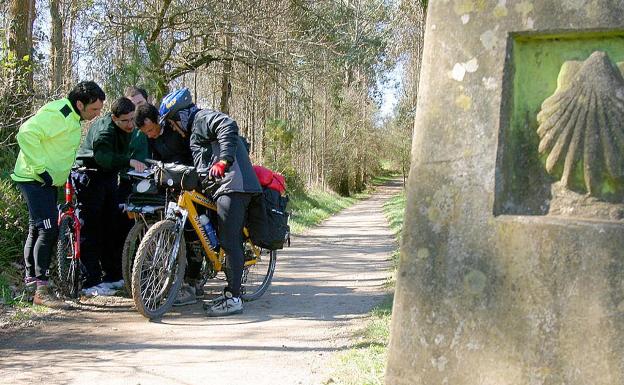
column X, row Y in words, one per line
column 314, row 206
column 365, row 362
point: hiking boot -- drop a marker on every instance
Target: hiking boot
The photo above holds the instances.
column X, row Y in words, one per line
column 228, row 306
column 43, row 297
column 99, row 290
column 186, row 296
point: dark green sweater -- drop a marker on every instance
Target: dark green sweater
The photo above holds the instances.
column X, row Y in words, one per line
column 106, row 147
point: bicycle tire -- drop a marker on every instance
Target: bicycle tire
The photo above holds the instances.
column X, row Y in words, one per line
column 68, row 266
column 154, row 289
column 131, row 245
column 257, row 277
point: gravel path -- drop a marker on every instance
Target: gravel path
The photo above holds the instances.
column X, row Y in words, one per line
column 324, row 286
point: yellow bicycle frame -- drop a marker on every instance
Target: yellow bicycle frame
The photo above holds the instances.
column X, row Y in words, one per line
column 187, row 201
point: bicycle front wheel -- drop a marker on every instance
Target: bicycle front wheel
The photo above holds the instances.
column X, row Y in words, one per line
column 67, row 264
column 154, row 283
column 131, row 245
column 257, row 276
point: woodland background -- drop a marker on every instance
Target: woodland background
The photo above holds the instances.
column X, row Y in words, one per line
column 302, row 78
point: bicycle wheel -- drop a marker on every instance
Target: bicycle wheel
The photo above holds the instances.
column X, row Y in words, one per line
column 131, row 245
column 257, row 277
column 154, row 285
column 67, row 264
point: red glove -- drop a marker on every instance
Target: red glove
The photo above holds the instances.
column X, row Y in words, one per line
column 218, row 169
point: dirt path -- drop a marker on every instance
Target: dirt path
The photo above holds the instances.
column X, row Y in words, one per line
column 323, row 286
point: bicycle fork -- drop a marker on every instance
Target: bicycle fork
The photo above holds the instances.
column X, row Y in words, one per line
column 180, row 214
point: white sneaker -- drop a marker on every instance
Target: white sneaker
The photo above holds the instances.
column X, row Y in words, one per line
column 113, row 285
column 186, row 296
column 229, row 306
column 216, row 300
column 98, row 290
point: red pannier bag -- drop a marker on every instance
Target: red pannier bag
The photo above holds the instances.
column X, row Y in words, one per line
column 269, row 179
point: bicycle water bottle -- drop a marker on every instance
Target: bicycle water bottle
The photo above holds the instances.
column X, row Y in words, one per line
column 210, row 231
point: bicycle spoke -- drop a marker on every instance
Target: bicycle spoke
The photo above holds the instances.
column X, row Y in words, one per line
column 155, row 277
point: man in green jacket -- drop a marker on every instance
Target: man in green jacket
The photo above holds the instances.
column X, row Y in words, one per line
column 104, row 152
column 139, row 150
column 48, row 142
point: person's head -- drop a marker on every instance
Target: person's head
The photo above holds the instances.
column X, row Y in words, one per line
column 146, row 119
column 88, row 99
column 137, row 95
column 177, row 109
column 122, row 113
column 173, row 103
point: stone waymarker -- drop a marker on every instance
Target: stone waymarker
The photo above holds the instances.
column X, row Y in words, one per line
column 512, row 267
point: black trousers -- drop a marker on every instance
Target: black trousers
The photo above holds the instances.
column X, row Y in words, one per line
column 123, row 223
column 42, row 228
column 232, row 213
column 99, row 252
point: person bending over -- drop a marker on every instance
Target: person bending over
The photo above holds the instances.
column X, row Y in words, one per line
column 104, row 152
column 217, row 148
column 171, row 145
column 48, row 142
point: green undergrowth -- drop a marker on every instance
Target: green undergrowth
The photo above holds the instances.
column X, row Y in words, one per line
column 313, row 206
column 365, row 362
column 13, row 229
column 394, row 209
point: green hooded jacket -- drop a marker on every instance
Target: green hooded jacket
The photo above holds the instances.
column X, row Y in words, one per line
column 48, row 142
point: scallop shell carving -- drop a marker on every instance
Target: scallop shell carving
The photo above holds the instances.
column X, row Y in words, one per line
column 581, row 126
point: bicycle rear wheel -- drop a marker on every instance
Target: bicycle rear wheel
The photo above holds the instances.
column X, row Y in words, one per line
column 131, row 245
column 154, row 285
column 67, row 264
column 257, row 277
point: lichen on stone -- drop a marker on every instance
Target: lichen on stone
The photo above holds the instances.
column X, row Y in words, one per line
column 464, row 102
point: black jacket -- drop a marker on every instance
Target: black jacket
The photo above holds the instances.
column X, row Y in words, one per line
column 215, row 137
column 171, row 147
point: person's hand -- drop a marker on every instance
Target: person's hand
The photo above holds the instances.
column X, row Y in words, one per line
column 218, row 169
column 46, row 178
column 137, row 165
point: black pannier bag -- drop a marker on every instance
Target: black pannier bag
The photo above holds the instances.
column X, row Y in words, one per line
column 177, row 176
column 275, row 231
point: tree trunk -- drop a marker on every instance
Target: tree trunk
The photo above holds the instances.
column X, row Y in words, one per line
column 20, row 39
column 70, row 55
column 56, row 48
column 226, row 85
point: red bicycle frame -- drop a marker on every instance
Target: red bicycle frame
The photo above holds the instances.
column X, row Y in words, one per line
column 69, row 210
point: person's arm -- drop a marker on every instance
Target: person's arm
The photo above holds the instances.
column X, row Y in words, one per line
column 139, row 147
column 225, row 130
column 29, row 138
column 201, row 154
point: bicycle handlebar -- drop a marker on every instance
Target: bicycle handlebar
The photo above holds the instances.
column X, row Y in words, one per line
column 83, row 168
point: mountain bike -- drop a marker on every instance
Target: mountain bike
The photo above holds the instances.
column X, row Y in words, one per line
column 68, row 243
column 160, row 261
